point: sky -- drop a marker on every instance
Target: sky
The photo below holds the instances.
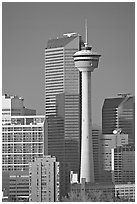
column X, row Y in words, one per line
column 27, row 26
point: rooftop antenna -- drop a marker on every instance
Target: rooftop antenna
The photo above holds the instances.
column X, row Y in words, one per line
column 86, row 34
column 124, row 94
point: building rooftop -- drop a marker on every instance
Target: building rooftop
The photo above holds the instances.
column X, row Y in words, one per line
column 60, row 42
column 115, row 102
column 12, row 96
column 112, row 102
column 126, row 147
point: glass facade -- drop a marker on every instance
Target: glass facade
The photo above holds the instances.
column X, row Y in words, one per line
column 62, row 90
column 119, row 113
column 124, row 164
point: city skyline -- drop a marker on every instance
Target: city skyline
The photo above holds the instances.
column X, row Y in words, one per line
column 26, row 28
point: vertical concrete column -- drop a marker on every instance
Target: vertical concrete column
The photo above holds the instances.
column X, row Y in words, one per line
column 87, row 166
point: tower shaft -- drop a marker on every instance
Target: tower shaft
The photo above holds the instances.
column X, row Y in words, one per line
column 87, row 170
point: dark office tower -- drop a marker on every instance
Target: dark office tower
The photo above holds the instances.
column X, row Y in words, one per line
column 96, row 135
column 123, row 160
column 72, row 154
column 119, row 113
column 55, row 145
column 62, row 84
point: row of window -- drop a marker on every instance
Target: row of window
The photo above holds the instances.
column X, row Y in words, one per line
column 22, row 129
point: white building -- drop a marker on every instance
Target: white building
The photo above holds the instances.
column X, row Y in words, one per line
column 13, row 105
column 22, row 141
column 107, row 143
column 44, row 180
column 126, row 191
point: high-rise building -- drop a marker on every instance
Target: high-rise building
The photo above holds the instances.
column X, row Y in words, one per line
column 44, row 180
column 55, row 145
column 62, row 93
column 96, row 136
column 119, row 113
column 13, row 105
column 72, row 154
column 22, row 141
column 123, row 164
column 61, row 77
column 107, row 143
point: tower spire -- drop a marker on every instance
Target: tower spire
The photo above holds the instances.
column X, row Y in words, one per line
column 86, row 33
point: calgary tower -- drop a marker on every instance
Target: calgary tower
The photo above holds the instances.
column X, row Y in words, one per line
column 86, row 61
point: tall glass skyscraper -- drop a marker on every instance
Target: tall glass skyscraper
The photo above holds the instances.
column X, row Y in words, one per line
column 119, row 113
column 62, row 87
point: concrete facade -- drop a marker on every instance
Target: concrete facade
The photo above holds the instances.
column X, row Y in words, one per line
column 126, row 191
column 107, row 143
column 44, row 180
column 13, row 105
column 22, row 141
column 18, row 186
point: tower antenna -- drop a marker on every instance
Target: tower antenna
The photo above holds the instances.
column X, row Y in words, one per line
column 86, row 34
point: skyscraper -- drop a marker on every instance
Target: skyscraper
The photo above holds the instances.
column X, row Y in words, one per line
column 55, row 145
column 119, row 113
column 62, row 86
column 96, row 135
column 107, row 143
column 22, row 141
column 62, row 82
column 123, row 160
column 44, row 180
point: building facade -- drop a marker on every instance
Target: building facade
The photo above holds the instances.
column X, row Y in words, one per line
column 18, row 186
column 62, row 91
column 44, row 180
column 119, row 113
column 55, row 145
column 123, row 164
column 13, row 105
column 107, row 143
column 22, row 141
column 125, row 191
column 92, row 192
column 72, row 154
column 96, row 136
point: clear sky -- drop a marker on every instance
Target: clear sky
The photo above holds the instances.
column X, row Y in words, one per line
column 26, row 28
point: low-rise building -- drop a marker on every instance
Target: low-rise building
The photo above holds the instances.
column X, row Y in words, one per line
column 19, row 186
column 125, row 191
